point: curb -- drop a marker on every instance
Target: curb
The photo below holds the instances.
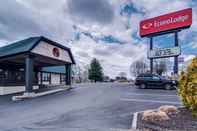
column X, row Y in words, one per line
column 34, row 95
column 134, row 121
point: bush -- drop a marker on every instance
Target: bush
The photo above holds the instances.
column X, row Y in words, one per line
column 188, row 87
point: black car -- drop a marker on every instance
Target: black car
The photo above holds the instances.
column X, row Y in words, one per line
column 156, row 81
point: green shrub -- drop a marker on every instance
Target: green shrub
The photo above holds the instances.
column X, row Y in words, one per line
column 188, row 87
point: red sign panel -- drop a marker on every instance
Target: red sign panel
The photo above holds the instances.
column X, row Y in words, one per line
column 179, row 19
column 56, row 52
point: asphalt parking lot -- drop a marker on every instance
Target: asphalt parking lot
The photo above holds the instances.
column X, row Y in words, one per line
column 87, row 107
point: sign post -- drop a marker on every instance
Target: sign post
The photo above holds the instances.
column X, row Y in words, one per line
column 165, row 24
column 176, row 57
column 151, row 59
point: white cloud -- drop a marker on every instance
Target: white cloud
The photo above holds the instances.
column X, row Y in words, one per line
column 154, row 8
column 193, row 44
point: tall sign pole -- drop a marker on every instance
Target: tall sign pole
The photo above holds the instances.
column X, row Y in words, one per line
column 176, row 57
column 151, row 59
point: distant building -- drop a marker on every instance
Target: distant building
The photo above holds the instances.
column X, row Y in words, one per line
column 106, row 79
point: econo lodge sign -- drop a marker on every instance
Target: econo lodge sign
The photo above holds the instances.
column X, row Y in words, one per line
column 179, row 19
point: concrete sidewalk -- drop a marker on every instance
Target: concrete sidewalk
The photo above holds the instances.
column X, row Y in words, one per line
column 40, row 92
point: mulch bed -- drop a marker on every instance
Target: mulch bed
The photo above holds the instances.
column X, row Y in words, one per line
column 182, row 121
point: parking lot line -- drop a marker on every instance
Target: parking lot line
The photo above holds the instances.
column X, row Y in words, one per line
column 151, row 94
column 153, row 101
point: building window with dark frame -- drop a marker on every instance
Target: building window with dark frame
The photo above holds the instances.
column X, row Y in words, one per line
column 2, row 75
column 62, row 78
column 46, row 76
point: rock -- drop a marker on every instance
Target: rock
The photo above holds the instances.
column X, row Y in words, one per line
column 151, row 115
column 168, row 109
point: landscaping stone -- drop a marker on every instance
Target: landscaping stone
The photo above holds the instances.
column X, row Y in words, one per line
column 168, row 109
column 154, row 116
column 183, row 121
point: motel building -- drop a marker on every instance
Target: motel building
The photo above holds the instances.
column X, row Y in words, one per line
column 34, row 63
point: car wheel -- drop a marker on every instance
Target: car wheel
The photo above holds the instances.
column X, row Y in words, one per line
column 142, row 86
column 168, row 87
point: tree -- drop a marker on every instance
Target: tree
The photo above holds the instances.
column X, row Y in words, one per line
column 123, row 76
column 138, row 67
column 160, row 67
column 95, row 71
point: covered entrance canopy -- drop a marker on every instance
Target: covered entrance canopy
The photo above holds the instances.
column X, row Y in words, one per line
column 21, row 62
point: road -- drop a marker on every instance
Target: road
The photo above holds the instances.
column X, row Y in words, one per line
column 87, row 107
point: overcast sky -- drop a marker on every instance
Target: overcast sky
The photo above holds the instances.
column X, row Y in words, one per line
column 105, row 29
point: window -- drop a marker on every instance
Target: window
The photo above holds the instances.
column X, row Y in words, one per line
column 45, row 76
column 62, row 78
column 2, row 74
column 21, row 69
column 19, row 76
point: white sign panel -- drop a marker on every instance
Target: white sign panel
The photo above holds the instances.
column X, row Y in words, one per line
column 49, row 50
column 164, row 52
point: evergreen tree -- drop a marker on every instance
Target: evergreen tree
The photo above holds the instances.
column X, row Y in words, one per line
column 95, row 71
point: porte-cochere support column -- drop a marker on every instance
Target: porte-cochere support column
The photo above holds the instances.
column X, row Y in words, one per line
column 68, row 74
column 29, row 67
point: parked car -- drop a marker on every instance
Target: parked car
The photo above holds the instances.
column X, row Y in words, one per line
column 155, row 81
